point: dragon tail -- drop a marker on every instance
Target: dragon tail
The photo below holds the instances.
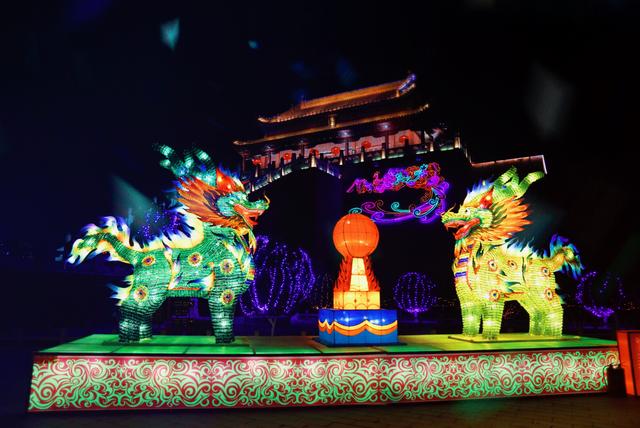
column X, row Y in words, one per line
column 565, row 256
column 113, row 239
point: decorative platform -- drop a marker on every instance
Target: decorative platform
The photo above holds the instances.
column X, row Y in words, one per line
column 349, row 327
column 98, row 373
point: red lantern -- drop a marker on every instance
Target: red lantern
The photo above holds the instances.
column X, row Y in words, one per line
column 256, row 161
column 366, row 144
column 404, row 139
column 314, row 152
column 355, row 235
column 335, row 150
column 287, row 156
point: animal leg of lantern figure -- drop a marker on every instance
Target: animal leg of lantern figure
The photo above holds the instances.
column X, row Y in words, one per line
column 471, row 310
column 492, row 319
column 540, row 298
column 224, row 297
column 137, row 310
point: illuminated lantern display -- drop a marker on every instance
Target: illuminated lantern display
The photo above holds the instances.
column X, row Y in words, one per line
column 287, row 156
column 356, row 317
column 490, row 269
column 366, row 144
column 335, row 150
column 213, row 262
column 425, row 177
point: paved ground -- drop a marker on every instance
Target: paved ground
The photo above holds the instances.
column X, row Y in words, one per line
column 568, row 411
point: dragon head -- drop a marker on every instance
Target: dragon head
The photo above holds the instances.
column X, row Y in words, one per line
column 469, row 217
column 213, row 196
column 224, row 204
column 492, row 211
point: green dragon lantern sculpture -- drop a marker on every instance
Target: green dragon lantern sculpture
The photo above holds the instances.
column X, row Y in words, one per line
column 214, row 261
column 490, row 269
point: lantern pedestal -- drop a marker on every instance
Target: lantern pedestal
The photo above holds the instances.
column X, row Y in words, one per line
column 350, row 327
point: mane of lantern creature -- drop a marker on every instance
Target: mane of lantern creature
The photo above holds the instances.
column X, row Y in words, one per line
column 494, row 211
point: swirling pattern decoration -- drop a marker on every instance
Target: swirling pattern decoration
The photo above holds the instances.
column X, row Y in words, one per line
column 85, row 382
column 426, row 177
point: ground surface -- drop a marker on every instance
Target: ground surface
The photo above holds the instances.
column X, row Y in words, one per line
column 568, row 411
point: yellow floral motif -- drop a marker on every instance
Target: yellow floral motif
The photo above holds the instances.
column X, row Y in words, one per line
column 140, row 294
column 227, row 297
column 226, row 266
column 195, row 259
column 149, row 260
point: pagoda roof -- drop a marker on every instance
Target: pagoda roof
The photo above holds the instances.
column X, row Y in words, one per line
column 343, row 100
column 341, row 125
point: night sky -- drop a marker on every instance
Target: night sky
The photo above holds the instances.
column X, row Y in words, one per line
column 87, row 87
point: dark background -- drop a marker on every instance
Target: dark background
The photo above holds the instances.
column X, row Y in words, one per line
column 86, row 88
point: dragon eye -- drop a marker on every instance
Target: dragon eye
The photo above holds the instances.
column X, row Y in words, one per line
column 492, row 265
column 545, row 270
column 467, row 211
column 511, row 264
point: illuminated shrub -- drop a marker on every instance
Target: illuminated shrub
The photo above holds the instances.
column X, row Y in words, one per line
column 412, row 293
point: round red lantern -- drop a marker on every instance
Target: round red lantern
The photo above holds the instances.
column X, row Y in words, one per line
column 404, row 139
column 355, row 235
column 256, row 161
column 335, row 150
column 287, row 156
column 314, row 152
column 366, row 144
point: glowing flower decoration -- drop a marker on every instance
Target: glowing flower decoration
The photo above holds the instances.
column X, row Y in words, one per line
column 549, row 294
column 148, row 261
column 226, row 266
column 140, row 294
column 195, row 259
column 227, row 297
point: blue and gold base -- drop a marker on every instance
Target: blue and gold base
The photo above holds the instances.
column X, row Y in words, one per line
column 346, row 327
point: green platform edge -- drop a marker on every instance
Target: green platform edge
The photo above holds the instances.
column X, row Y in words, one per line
column 107, row 344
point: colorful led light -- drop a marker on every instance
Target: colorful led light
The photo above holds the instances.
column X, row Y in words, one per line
column 283, row 277
column 412, row 293
column 601, row 295
column 426, row 177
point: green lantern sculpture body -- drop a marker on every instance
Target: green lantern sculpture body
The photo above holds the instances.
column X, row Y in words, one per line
column 213, row 262
column 489, row 269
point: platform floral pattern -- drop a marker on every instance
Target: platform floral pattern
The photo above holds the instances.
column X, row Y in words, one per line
column 93, row 383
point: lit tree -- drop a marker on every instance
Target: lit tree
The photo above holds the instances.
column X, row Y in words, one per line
column 321, row 295
column 601, row 294
column 284, row 276
column 412, row 293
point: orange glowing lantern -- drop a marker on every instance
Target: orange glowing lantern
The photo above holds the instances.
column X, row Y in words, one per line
column 355, row 236
column 335, row 150
column 366, row 144
column 256, row 161
column 404, row 139
column 287, row 156
column 314, row 152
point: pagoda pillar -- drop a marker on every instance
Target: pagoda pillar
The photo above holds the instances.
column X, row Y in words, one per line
column 302, row 145
column 245, row 157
